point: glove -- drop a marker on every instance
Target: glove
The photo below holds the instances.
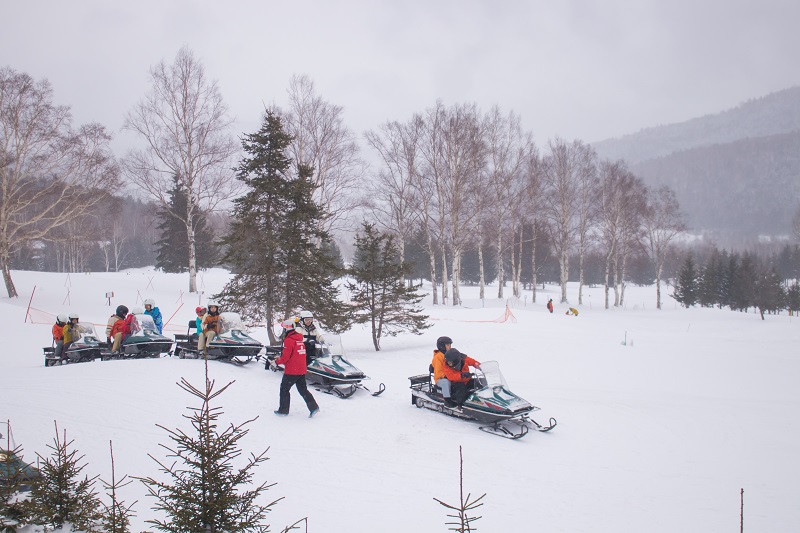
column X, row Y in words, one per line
column 272, row 365
column 466, row 375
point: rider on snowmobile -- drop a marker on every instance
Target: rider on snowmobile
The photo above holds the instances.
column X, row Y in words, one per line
column 437, row 368
column 310, row 332
column 456, row 370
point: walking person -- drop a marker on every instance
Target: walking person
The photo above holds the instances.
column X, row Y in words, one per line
column 550, row 305
column 293, row 359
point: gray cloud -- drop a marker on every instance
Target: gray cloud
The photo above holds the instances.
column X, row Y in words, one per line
column 578, row 69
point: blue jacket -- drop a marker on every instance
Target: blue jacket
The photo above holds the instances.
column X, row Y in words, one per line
column 155, row 312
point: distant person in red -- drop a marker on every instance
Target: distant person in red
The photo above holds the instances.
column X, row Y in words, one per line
column 456, row 370
column 550, row 305
column 293, row 359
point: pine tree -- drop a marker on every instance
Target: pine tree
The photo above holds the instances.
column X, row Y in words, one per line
column 743, row 287
column 173, row 247
column 274, row 245
column 206, row 493
column 13, row 510
column 793, row 298
column 708, row 285
column 59, row 496
column 116, row 516
column 685, row 290
column 769, row 294
column 380, row 297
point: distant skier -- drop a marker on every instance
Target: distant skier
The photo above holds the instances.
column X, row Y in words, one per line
column 293, row 359
column 550, row 305
column 151, row 309
column 572, row 311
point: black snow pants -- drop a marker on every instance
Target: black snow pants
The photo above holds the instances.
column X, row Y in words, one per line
column 287, row 383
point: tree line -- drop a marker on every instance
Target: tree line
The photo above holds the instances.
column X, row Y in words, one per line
column 465, row 192
column 741, row 281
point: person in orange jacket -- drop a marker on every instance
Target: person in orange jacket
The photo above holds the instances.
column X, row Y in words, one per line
column 437, row 368
column 58, row 335
column 456, row 370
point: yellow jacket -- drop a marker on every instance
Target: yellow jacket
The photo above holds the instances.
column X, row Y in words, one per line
column 438, row 365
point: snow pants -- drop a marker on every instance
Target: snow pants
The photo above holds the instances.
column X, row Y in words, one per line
column 205, row 338
column 444, row 385
column 287, row 383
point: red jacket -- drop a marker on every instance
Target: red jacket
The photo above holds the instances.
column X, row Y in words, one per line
column 455, row 375
column 58, row 332
column 120, row 326
column 293, row 357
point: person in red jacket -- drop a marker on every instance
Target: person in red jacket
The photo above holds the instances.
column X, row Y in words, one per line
column 293, row 359
column 456, row 370
column 121, row 329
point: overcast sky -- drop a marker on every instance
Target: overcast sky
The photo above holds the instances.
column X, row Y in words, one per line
column 577, row 69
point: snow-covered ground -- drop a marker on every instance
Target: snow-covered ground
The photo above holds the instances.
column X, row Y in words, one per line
column 663, row 416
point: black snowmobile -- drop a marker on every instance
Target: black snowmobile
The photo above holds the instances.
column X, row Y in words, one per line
column 144, row 341
column 489, row 402
column 328, row 369
column 87, row 347
column 232, row 344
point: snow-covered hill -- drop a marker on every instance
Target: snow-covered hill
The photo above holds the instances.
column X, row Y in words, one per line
column 658, row 434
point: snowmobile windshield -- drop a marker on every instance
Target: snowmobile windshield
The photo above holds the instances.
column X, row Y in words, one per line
column 333, row 345
column 144, row 325
column 231, row 322
column 85, row 333
column 489, row 375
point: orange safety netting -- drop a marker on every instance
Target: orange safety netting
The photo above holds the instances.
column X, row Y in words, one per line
column 505, row 317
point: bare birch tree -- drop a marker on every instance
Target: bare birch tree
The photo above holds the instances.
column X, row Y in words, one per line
column 50, row 173
column 323, row 142
column 185, row 126
column 588, row 189
column 394, row 197
column 662, row 221
column 506, row 146
column 457, row 156
column 561, row 172
column 533, row 202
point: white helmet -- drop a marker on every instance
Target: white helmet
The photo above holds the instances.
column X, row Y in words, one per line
column 306, row 314
column 73, row 314
column 150, row 302
column 137, row 310
column 289, row 323
column 62, row 318
column 212, row 303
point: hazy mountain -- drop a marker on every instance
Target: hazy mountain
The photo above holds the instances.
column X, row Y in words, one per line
column 736, row 174
column 770, row 115
column 741, row 189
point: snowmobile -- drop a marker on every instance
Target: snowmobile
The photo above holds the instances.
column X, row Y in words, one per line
column 231, row 345
column 489, row 402
column 328, row 369
column 144, row 341
column 87, row 347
